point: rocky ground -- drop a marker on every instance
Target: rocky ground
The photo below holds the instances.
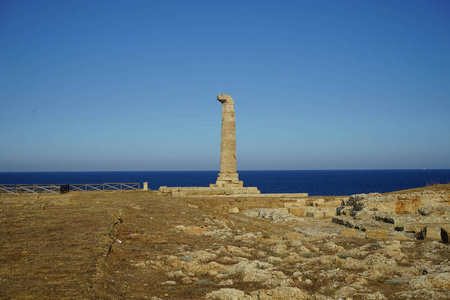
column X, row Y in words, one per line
column 141, row 245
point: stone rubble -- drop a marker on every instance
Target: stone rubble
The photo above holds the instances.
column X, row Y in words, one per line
column 318, row 261
column 420, row 215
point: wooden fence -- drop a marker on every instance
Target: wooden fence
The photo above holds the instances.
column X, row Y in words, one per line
column 64, row 188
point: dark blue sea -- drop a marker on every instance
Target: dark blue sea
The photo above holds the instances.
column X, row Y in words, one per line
column 315, row 183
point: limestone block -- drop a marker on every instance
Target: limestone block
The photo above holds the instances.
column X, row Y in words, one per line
column 145, row 186
column 433, row 233
column 233, row 210
column 327, row 213
column 317, row 202
column 376, row 234
column 297, row 211
column 301, row 201
column 228, row 176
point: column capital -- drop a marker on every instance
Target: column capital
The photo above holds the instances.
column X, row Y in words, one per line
column 223, row 98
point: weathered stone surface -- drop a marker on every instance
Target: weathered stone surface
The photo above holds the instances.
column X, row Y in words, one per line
column 280, row 293
column 376, row 234
column 205, row 191
column 259, row 272
column 317, row 202
column 272, row 215
column 297, row 211
column 405, row 216
column 233, row 210
column 298, row 203
column 433, row 233
column 226, row 294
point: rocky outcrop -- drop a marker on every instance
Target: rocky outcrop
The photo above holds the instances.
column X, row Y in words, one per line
column 419, row 215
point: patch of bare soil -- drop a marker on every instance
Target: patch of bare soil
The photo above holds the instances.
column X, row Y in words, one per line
column 139, row 245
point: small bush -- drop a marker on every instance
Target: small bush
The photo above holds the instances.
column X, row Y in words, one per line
column 204, row 282
column 187, row 258
column 374, row 246
column 432, row 183
column 328, row 291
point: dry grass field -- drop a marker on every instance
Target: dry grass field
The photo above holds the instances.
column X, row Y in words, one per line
column 139, row 245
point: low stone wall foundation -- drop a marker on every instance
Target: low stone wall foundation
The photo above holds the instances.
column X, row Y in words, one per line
column 204, row 191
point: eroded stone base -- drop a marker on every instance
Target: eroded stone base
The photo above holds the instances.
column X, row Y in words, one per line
column 192, row 191
column 228, row 180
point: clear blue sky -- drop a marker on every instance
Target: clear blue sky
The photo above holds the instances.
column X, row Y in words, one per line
column 132, row 85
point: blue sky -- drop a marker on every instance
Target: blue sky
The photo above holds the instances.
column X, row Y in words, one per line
column 132, row 85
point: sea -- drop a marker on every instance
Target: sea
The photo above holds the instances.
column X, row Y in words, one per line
column 313, row 182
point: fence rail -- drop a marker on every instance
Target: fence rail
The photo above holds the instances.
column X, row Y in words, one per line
column 65, row 188
column 104, row 186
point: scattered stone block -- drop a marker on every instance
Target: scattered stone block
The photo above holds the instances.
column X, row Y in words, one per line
column 233, row 210
column 297, row 211
column 433, row 233
column 376, row 234
column 301, row 201
column 327, row 212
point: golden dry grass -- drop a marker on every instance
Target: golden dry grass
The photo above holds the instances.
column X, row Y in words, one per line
column 85, row 245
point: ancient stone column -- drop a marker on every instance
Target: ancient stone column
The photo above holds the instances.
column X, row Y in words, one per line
column 228, row 176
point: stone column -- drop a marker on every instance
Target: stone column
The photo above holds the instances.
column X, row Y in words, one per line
column 228, row 176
